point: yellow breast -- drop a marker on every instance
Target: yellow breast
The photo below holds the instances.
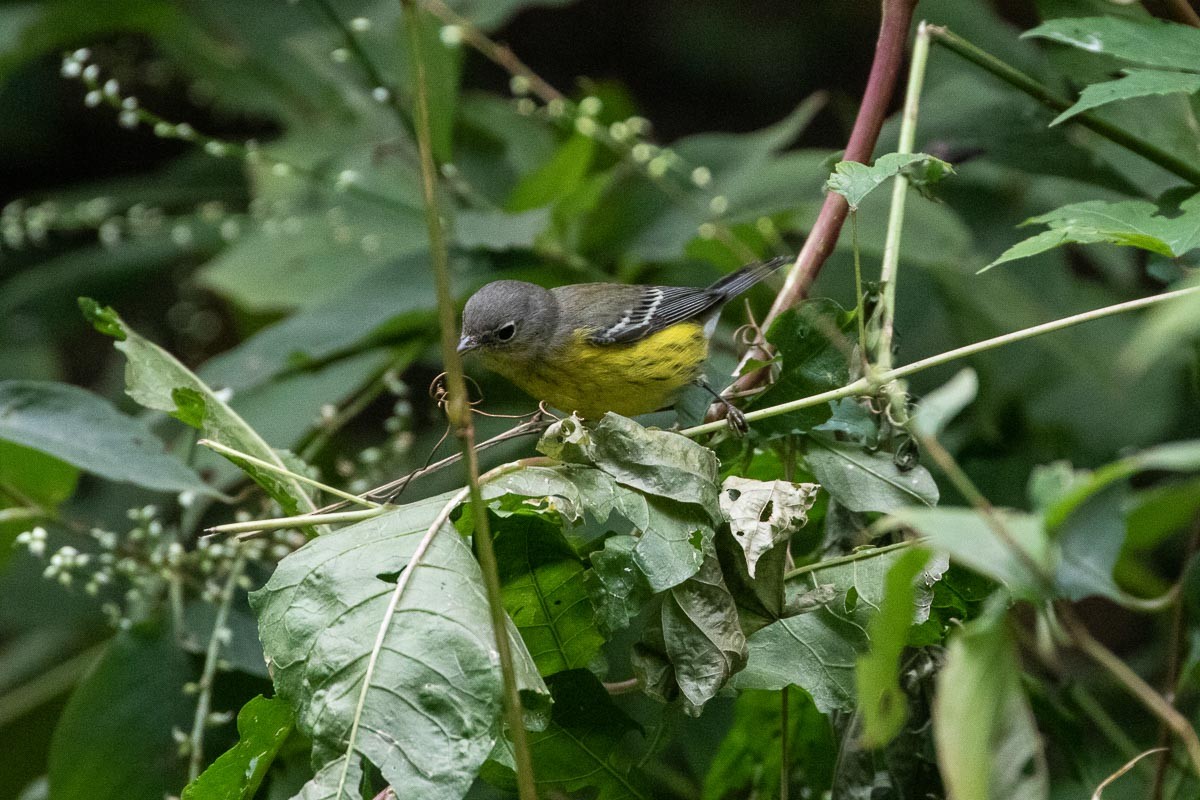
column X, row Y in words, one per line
column 628, row 379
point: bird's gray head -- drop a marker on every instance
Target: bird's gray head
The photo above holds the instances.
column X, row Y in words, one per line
column 510, row 318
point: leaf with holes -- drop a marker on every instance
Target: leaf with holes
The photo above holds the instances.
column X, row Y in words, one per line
column 762, row 514
column 347, row 621
column 854, row 181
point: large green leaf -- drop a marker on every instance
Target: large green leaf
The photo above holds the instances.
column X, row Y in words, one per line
column 156, row 380
column 1153, row 42
column 863, row 480
column 84, row 430
column 347, row 622
column 693, row 644
column 263, row 726
column 114, row 739
column 854, row 181
column 1170, row 229
column 987, row 743
column 1135, row 83
column 816, row 650
column 543, row 588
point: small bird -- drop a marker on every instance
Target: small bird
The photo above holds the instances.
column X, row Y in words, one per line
column 591, row 348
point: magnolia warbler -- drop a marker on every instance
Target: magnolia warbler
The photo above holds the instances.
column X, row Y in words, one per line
column 598, row 347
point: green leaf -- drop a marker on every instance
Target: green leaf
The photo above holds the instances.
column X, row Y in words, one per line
column 807, row 340
column 764, row 514
column 987, row 743
column 671, row 536
column 862, row 480
column 156, row 380
column 747, row 761
column 114, row 738
column 263, row 726
column 693, row 644
column 543, row 587
column 880, row 697
column 1152, row 42
column 497, row 231
column 936, row 409
column 84, row 430
column 43, row 479
column 1168, row 229
column 430, row 715
column 654, row 462
column 1166, row 329
column 582, row 748
column 555, row 179
column 816, row 650
column 968, row 538
column 618, row 589
column 1135, row 83
column 854, row 181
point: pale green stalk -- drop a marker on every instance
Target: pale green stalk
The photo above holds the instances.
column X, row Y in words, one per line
column 229, row 452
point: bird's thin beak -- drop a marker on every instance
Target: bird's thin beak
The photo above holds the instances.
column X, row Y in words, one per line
column 467, row 343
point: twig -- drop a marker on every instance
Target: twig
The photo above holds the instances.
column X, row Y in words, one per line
column 1125, row 768
column 215, row 640
column 1133, row 683
column 236, row 455
column 1174, row 656
column 881, row 84
column 785, row 759
column 255, row 526
column 859, row 555
column 872, row 382
column 458, row 411
column 1187, row 170
column 622, row 687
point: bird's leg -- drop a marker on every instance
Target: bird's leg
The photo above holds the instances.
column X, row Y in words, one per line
column 736, row 419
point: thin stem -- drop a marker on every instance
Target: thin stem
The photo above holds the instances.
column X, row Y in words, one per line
column 622, row 687
column 255, row 526
column 859, row 308
column 881, row 84
column 1187, row 170
column 1133, row 683
column 232, row 454
column 890, row 268
column 204, row 698
column 871, row 383
column 458, row 410
column 785, row 759
column 861, row 555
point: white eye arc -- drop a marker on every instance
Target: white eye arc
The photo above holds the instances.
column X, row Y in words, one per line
column 506, row 331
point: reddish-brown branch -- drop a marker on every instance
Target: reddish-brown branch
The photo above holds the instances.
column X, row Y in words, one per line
column 881, row 85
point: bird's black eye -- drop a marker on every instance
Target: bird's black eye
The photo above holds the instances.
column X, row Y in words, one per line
column 506, row 331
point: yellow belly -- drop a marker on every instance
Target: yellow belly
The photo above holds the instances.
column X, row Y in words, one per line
column 628, row 379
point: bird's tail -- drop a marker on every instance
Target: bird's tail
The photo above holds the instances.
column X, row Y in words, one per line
column 735, row 283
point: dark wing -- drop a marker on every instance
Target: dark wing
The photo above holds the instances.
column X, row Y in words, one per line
column 657, row 307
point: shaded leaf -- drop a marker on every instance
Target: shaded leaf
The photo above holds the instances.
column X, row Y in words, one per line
column 763, row 514
column 693, row 644
column 747, row 761
column 1153, row 42
column 582, row 746
column 113, row 740
column 854, row 181
column 619, row 589
column 987, row 743
column 1166, row 329
column 495, row 230
column 1135, row 83
column 430, row 714
column 868, row 481
column 84, row 430
column 263, row 726
column 43, row 479
column 937, row 408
